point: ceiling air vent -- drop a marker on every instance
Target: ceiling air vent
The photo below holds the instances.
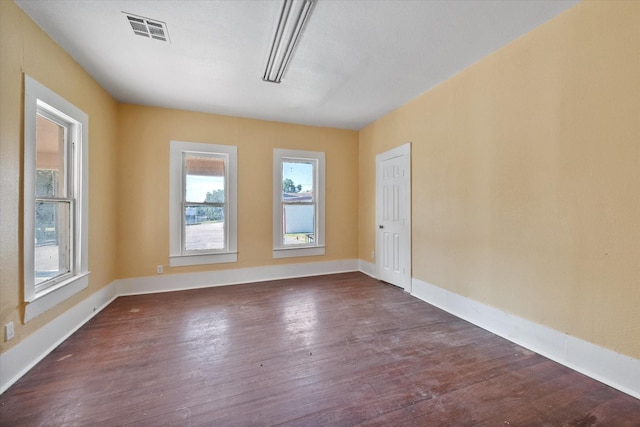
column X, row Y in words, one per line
column 146, row 27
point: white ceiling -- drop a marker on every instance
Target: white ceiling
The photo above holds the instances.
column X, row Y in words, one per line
column 356, row 61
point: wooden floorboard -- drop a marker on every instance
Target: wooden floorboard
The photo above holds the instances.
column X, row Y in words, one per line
column 339, row 350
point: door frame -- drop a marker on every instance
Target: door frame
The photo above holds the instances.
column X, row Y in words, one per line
column 401, row 151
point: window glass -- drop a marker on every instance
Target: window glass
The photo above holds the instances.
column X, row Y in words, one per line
column 297, row 182
column 204, row 179
column 50, row 158
column 204, row 209
column 53, row 228
column 298, row 203
column 53, row 241
column 204, row 231
column 299, row 224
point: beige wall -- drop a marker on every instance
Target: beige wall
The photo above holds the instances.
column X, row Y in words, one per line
column 24, row 48
column 526, row 177
column 143, row 170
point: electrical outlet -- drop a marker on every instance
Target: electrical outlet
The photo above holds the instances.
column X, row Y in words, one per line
column 8, row 331
column 373, row 254
column 159, row 269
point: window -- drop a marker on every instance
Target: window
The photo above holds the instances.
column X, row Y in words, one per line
column 298, row 203
column 202, row 214
column 55, row 199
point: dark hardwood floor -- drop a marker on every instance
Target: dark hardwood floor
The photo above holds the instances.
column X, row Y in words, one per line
column 333, row 350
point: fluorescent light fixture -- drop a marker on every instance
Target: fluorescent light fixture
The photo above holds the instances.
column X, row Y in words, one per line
column 292, row 19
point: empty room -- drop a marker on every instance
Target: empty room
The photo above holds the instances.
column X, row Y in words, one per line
column 319, row 212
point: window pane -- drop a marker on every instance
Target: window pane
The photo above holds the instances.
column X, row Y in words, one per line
column 204, row 228
column 204, row 179
column 299, row 224
column 297, row 182
column 53, row 238
column 50, row 158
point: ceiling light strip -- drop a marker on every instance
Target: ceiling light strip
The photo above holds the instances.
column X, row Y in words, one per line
column 286, row 38
column 277, row 39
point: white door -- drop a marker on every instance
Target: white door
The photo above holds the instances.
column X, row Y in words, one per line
column 393, row 216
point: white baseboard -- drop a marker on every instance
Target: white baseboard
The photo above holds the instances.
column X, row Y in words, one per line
column 18, row 360
column 368, row 268
column 178, row 282
column 614, row 369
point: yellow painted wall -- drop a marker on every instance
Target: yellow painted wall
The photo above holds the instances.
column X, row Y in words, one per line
column 143, row 170
column 24, row 48
column 526, row 177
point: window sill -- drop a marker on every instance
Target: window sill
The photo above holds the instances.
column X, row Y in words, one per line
column 53, row 296
column 186, row 260
column 297, row 252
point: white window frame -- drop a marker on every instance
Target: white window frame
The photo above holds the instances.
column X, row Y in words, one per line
column 40, row 99
column 317, row 247
column 178, row 257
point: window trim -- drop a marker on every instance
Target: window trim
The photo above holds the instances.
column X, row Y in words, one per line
column 318, row 246
column 39, row 97
column 177, row 258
